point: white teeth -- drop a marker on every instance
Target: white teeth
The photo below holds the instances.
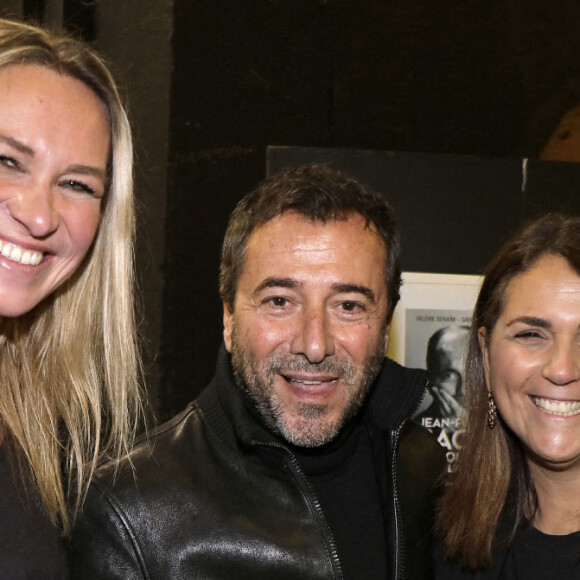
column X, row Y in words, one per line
column 562, row 408
column 305, row 382
column 16, row 254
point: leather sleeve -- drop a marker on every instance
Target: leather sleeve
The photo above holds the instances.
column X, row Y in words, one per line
column 421, row 464
column 102, row 544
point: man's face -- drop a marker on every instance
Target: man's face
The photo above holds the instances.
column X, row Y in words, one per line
column 445, row 365
column 308, row 333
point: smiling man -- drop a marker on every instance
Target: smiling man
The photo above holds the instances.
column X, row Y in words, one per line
column 298, row 460
column 307, row 326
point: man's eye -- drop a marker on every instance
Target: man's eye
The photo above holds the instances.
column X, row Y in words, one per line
column 278, row 301
column 351, row 306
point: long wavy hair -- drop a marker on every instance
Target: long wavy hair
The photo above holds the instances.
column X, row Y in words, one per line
column 492, row 462
column 69, row 394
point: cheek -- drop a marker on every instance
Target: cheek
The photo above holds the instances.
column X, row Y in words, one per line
column 508, row 377
column 261, row 337
column 498, row 375
column 82, row 225
column 359, row 341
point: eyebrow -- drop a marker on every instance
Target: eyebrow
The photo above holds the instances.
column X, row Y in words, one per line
column 355, row 288
column 276, row 283
column 339, row 288
column 79, row 168
column 25, row 149
column 88, row 170
column 532, row 321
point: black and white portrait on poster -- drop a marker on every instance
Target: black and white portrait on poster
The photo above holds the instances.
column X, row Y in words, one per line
column 430, row 330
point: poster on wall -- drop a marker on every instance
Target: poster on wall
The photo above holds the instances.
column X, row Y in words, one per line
column 430, row 330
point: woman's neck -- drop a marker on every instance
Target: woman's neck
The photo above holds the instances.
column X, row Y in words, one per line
column 558, row 494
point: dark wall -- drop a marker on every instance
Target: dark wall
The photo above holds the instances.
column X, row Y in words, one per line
column 134, row 36
column 212, row 84
column 479, row 78
column 453, row 210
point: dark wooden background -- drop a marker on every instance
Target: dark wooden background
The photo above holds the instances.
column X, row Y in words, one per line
column 436, row 103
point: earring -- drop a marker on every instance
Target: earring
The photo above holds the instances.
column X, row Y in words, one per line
column 491, row 411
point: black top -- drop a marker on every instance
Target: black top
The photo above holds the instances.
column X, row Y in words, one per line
column 30, row 547
column 343, row 476
column 538, row 556
column 211, row 494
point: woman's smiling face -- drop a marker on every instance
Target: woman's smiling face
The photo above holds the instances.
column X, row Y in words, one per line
column 532, row 362
column 54, row 146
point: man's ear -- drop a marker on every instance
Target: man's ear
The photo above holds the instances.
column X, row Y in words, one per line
column 387, row 332
column 228, row 326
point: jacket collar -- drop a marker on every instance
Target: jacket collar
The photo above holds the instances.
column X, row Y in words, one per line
column 395, row 395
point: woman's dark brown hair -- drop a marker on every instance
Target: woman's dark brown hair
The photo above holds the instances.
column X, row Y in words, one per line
column 491, row 462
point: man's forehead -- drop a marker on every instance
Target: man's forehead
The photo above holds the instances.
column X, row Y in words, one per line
column 283, row 223
column 312, row 254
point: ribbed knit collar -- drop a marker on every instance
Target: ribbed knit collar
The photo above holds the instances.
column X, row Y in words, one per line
column 397, row 393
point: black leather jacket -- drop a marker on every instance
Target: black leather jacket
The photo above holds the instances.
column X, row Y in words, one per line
column 211, row 494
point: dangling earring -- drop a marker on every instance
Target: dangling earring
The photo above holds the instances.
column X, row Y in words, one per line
column 491, row 411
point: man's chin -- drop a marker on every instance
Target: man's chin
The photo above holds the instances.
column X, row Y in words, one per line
column 310, row 428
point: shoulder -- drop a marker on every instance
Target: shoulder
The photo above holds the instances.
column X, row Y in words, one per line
column 156, row 453
column 129, row 499
column 420, row 466
column 454, row 571
column 417, row 443
column 421, row 461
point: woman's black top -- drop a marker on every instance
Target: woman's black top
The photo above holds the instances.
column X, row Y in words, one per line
column 538, row 556
column 30, row 546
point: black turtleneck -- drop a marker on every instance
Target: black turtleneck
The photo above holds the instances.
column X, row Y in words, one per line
column 343, row 476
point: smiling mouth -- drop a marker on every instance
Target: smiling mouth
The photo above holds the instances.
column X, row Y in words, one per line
column 20, row 255
column 560, row 408
column 304, row 382
column 313, row 390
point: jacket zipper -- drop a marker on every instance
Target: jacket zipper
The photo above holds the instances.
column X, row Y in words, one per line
column 399, row 540
column 419, row 400
column 399, row 548
column 311, row 496
column 312, row 499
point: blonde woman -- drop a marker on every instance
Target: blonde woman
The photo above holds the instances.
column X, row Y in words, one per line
column 68, row 362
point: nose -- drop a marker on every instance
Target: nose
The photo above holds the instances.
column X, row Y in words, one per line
column 313, row 338
column 563, row 364
column 34, row 207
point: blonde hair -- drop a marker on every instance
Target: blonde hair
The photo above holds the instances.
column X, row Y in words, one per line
column 69, row 394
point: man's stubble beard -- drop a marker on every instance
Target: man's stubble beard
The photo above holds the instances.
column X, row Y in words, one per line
column 307, row 426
